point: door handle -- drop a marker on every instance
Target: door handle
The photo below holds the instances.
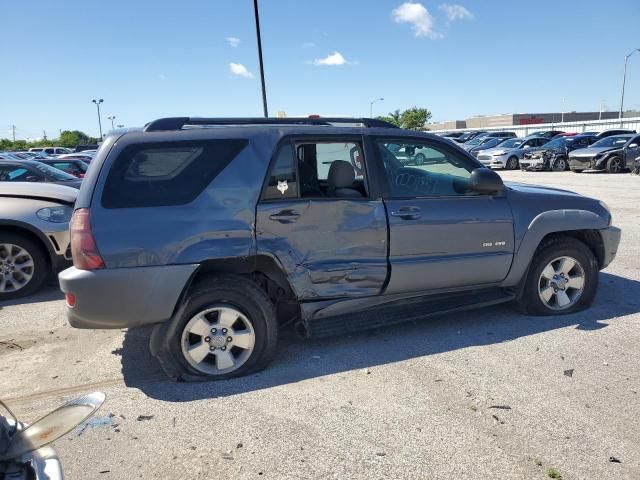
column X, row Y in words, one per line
column 407, row 213
column 285, row 216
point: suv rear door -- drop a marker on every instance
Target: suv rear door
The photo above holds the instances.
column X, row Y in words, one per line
column 441, row 235
column 321, row 218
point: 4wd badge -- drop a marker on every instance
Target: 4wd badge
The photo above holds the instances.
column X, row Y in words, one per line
column 282, row 186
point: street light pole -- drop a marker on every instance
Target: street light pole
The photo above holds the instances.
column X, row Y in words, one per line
column 371, row 105
column 624, row 79
column 264, row 88
column 112, row 118
column 98, row 102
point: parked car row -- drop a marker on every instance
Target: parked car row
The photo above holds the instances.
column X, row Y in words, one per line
column 613, row 151
column 36, row 166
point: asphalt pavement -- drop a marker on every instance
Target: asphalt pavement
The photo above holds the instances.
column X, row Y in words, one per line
column 481, row 394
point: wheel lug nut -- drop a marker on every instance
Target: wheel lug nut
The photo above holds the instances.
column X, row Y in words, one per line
column 213, row 330
column 212, row 348
column 223, row 348
column 224, row 330
column 207, row 339
column 229, row 339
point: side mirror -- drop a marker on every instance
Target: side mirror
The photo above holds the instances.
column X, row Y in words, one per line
column 485, row 180
column 633, row 145
column 526, row 146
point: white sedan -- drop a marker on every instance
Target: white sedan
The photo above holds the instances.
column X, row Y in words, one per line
column 508, row 154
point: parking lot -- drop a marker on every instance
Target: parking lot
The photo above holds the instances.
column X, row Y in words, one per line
column 480, row 394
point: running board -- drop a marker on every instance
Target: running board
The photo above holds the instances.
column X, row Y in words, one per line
column 404, row 311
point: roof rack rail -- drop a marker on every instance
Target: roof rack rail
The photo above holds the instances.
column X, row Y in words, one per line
column 177, row 123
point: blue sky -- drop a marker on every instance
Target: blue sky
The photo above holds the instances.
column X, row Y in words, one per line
column 154, row 58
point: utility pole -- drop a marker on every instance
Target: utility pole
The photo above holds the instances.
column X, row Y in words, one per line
column 98, row 102
column 264, row 88
column 13, row 132
column 44, row 135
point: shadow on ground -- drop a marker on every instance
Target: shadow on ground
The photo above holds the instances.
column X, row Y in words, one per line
column 49, row 293
column 299, row 360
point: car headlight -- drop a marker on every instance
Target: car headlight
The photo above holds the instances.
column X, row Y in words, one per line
column 598, row 156
column 497, row 153
column 61, row 214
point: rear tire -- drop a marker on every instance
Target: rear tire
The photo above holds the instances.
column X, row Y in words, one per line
column 226, row 328
column 553, row 286
column 23, row 266
column 419, row 159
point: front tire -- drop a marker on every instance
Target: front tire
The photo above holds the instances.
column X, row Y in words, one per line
column 559, row 165
column 419, row 159
column 23, row 266
column 226, row 328
column 512, row 163
column 562, row 278
column 614, row 165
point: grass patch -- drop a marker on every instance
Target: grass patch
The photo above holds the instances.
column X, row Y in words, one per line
column 553, row 473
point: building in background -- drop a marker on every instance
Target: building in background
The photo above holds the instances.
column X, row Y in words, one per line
column 516, row 119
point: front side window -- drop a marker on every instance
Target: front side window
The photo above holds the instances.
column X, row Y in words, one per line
column 330, row 169
column 424, row 169
column 166, row 173
column 282, row 178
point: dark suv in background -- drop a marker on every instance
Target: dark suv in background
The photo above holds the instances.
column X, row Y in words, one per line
column 221, row 237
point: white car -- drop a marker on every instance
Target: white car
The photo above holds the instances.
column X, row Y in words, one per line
column 34, row 234
column 509, row 153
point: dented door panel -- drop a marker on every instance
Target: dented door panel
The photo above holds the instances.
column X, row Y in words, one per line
column 328, row 248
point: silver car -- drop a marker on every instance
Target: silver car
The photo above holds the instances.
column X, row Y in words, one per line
column 34, row 234
column 508, row 154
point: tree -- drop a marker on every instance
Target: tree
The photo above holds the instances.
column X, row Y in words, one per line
column 412, row 119
column 415, row 118
column 72, row 138
column 393, row 118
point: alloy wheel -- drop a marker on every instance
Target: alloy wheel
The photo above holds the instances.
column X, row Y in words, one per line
column 16, row 267
column 218, row 340
column 561, row 283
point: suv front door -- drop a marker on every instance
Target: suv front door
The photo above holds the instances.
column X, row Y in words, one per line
column 441, row 234
column 320, row 218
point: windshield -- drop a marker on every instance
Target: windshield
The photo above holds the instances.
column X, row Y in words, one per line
column 511, row 143
column 615, row 141
column 54, row 173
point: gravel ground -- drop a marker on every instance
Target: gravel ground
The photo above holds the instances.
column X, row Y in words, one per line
column 481, row 394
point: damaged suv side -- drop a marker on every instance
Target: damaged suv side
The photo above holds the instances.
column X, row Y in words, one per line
column 221, row 237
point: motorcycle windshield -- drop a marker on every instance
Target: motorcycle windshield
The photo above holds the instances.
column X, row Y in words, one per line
column 53, row 425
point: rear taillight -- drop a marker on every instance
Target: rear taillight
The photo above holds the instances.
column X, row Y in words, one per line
column 83, row 246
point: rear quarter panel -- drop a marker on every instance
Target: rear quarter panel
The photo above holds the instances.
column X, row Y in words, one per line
column 219, row 223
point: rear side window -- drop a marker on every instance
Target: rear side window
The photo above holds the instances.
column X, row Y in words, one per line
column 167, row 173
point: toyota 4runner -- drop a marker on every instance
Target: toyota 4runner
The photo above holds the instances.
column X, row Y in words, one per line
column 222, row 232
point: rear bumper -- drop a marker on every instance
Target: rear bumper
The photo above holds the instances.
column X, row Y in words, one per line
column 610, row 241
column 124, row 297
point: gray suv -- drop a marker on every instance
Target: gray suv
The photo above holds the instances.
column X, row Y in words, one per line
column 222, row 232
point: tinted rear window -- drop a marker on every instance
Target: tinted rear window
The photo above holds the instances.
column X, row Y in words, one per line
column 167, row 173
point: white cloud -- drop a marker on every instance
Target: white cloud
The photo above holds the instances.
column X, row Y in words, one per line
column 419, row 17
column 240, row 70
column 456, row 12
column 233, row 41
column 308, row 45
column 332, row 59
